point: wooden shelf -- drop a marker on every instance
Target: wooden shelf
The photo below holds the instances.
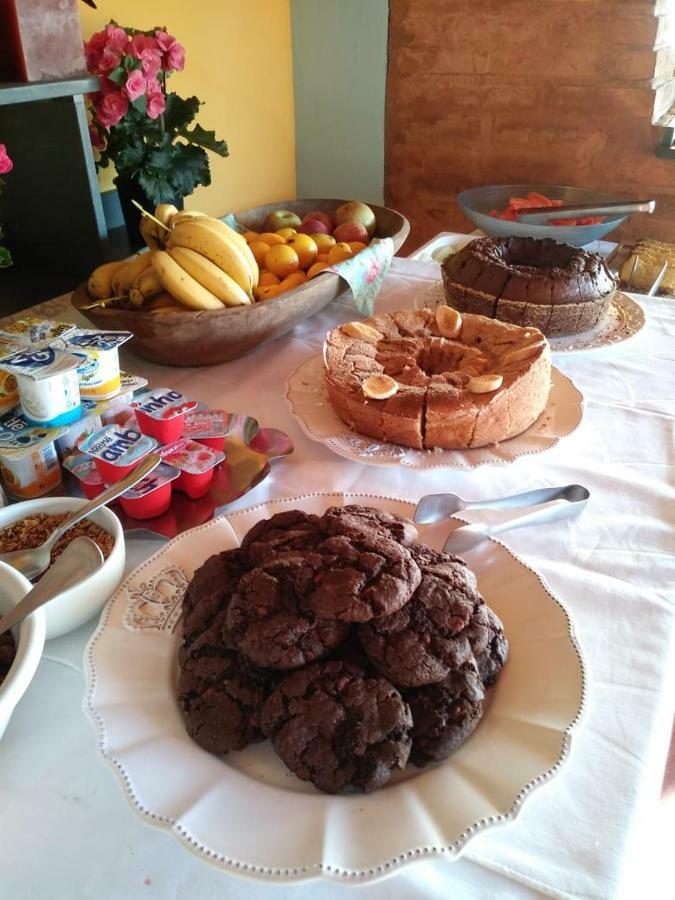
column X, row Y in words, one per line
column 16, row 92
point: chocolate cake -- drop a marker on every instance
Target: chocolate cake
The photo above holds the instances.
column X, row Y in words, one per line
column 530, row 282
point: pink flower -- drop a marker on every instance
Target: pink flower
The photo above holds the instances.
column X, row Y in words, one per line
column 110, row 59
column 165, row 41
column 155, row 104
column 111, row 108
column 96, row 138
column 117, row 38
column 175, row 58
column 135, row 86
column 6, row 164
column 106, row 86
column 93, row 48
column 151, row 62
column 141, row 42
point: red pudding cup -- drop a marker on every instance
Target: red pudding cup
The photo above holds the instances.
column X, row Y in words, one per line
column 196, row 463
column 152, row 495
column 82, row 467
column 208, row 427
column 161, row 414
column 117, row 450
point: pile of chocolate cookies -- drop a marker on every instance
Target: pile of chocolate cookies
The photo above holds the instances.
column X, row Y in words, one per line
column 339, row 637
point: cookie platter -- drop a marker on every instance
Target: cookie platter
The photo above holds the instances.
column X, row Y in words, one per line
column 246, row 812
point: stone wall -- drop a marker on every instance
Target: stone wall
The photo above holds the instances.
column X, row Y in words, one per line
column 517, row 91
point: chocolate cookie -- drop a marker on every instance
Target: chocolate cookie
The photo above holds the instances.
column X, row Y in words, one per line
column 491, row 661
column 363, row 575
column 210, row 590
column 445, row 714
column 221, row 698
column 445, row 623
column 341, row 519
column 338, row 729
column 291, row 530
column 270, row 619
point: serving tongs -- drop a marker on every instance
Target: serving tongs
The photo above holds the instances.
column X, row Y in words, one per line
column 540, row 215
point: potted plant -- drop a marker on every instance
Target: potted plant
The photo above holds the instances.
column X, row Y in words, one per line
column 147, row 133
column 6, row 165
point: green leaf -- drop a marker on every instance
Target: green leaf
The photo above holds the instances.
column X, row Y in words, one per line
column 5, row 258
column 118, row 75
column 156, row 185
column 130, row 157
column 190, row 169
column 206, row 139
column 179, row 112
column 140, row 105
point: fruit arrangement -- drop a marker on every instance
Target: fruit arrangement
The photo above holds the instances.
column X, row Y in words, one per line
column 198, row 262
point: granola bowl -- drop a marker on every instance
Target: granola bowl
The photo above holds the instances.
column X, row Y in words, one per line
column 77, row 605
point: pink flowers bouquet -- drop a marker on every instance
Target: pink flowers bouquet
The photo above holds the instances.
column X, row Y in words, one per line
column 139, row 127
column 6, row 165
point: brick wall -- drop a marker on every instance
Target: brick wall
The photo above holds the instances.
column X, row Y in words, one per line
column 509, row 91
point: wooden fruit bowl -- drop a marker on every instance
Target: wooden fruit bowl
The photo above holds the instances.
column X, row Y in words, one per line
column 204, row 338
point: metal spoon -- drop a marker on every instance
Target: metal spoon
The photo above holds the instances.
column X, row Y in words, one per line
column 466, row 537
column 436, row 507
column 33, row 562
column 81, row 558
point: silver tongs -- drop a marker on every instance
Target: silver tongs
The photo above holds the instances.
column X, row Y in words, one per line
column 553, row 504
column 540, row 215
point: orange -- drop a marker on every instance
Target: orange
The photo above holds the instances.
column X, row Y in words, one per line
column 250, row 236
column 286, row 233
column 259, row 249
column 323, row 258
column 316, row 268
column 305, row 247
column 267, row 292
column 282, row 260
column 357, row 246
column 294, row 280
column 269, row 237
column 339, row 253
column 323, row 242
column 267, row 278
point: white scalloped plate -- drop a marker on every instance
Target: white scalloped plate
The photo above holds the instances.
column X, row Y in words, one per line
column 625, row 318
column 307, row 399
column 246, row 812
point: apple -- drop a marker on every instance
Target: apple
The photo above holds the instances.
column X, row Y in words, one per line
column 281, row 218
column 313, row 226
column 350, row 232
column 321, row 217
column 356, row 212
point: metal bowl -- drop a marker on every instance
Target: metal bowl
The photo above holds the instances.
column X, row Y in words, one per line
column 477, row 203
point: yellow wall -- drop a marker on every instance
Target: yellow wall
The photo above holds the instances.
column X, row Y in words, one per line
column 239, row 62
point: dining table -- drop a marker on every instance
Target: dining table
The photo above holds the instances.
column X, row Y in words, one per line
column 594, row 830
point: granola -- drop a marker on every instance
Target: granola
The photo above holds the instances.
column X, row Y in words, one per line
column 34, row 530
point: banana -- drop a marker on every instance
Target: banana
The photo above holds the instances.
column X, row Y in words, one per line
column 99, row 284
column 182, row 286
column 125, row 276
column 166, row 212
column 186, row 215
column 163, row 303
column 151, row 233
column 239, row 241
column 210, row 276
column 146, row 286
column 195, row 235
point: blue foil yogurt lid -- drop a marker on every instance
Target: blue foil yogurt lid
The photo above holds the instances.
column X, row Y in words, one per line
column 119, row 446
column 89, row 339
column 38, row 363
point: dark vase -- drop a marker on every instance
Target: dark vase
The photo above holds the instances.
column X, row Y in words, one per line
column 128, row 190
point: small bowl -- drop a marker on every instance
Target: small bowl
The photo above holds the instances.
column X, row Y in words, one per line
column 29, row 637
column 477, row 203
column 78, row 604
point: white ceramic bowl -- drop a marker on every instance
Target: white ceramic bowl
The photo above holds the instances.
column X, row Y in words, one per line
column 77, row 605
column 29, row 637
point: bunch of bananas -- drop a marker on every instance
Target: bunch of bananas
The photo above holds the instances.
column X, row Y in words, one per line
column 194, row 261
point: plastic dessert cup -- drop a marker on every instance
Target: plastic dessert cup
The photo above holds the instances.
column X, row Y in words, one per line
column 83, row 468
column 152, row 496
column 208, row 427
column 116, row 451
column 196, row 464
column 161, row 414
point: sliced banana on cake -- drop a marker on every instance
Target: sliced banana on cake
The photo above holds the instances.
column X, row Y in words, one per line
column 520, row 354
column 448, row 321
column 484, row 384
column 379, row 387
column 362, row 331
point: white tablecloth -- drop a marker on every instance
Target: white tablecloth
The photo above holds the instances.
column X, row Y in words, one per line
column 67, row 830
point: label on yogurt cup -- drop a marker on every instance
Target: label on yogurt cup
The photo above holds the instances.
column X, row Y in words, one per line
column 131, row 383
column 156, row 479
column 207, row 423
column 18, row 436
column 191, row 457
column 39, row 363
column 118, row 446
column 89, row 339
column 163, row 403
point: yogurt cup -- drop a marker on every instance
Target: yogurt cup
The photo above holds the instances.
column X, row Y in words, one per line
column 9, row 390
column 77, row 433
column 196, row 463
column 33, row 330
column 116, row 450
column 99, row 369
column 152, row 496
column 30, row 471
column 161, row 413
column 82, row 467
column 48, row 384
column 208, row 427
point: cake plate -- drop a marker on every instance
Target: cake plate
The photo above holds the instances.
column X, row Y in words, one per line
column 308, row 400
column 245, row 812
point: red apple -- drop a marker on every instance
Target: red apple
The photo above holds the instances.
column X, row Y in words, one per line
column 356, row 212
column 313, row 226
column 321, row 217
column 351, row 231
